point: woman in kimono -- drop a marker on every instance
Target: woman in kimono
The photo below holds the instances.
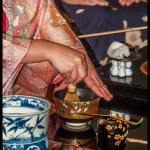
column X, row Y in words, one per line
column 39, row 48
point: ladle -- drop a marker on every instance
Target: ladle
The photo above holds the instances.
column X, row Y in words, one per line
column 115, row 117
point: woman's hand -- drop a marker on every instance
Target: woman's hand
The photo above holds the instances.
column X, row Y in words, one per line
column 92, row 80
column 69, row 62
column 75, row 65
column 87, row 2
column 128, row 2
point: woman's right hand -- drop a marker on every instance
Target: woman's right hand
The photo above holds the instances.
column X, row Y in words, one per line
column 69, row 62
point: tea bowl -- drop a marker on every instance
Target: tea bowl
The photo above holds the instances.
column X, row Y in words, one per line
column 25, row 120
column 69, row 111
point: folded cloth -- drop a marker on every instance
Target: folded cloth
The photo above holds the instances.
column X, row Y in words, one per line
column 118, row 50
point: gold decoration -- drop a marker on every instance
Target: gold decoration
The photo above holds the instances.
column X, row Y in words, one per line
column 115, row 127
column 121, row 137
column 108, row 136
column 120, row 126
column 125, row 134
column 117, row 136
column 117, row 143
column 123, row 129
column 119, row 121
column 108, row 127
column 76, row 143
column 70, row 110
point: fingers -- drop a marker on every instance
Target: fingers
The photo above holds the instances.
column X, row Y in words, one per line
column 94, row 88
column 128, row 2
column 95, row 2
column 71, row 76
column 137, row 1
column 108, row 95
column 82, row 74
column 80, row 2
column 77, row 74
column 98, row 87
column 61, row 86
column 102, row 2
column 73, row 64
column 87, row 2
column 122, row 2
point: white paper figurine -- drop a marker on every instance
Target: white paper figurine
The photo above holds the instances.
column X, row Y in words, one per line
column 128, row 68
column 113, row 113
column 121, row 71
column 127, row 116
column 114, row 69
column 118, row 50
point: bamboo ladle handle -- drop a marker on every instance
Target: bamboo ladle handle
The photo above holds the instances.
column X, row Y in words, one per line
column 112, row 32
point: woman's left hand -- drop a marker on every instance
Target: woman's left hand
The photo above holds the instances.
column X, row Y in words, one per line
column 94, row 82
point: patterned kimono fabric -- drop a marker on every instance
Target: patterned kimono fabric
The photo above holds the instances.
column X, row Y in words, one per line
column 32, row 19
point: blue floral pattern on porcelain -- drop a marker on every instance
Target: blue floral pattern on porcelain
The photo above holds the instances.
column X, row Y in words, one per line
column 25, row 120
column 39, row 145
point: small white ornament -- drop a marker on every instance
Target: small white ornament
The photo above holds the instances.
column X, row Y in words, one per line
column 128, row 68
column 121, row 72
column 127, row 116
column 114, row 69
column 113, row 113
column 120, row 114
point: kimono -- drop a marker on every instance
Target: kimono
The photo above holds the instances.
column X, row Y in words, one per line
column 32, row 19
column 95, row 19
column 36, row 19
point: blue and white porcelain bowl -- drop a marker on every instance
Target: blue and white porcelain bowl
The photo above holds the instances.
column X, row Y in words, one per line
column 42, row 144
column 25, row 121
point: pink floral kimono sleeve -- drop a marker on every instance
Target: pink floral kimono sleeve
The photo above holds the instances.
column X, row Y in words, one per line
column 14, row 50
column 34, row 20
